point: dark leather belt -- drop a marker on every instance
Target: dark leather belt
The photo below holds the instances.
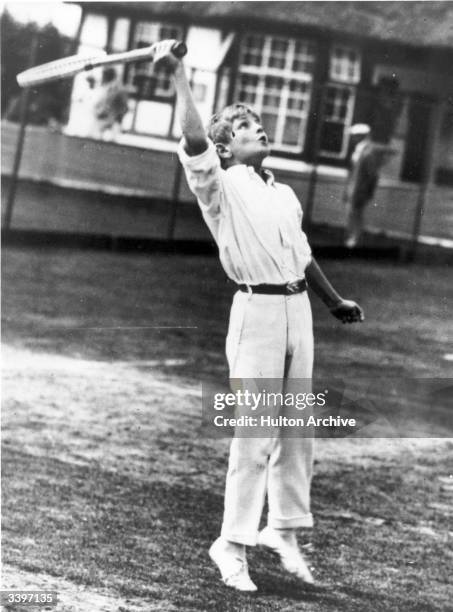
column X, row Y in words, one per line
column 298, row 286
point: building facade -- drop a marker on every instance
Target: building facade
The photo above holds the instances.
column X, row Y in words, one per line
column 309, row 72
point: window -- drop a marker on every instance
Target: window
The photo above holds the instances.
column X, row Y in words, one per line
column 339, row 100
column 338, row 109
column 94, row 31
column 344, row 65
column 151, row 91
column 120, row 35
column 151, row 83
column 275, row 78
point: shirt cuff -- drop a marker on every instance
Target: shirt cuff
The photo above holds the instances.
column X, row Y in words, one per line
column 201, row 161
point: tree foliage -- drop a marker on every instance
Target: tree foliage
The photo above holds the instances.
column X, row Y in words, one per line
column 48, row 101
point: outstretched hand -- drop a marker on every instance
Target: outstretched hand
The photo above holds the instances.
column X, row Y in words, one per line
column 163, row 56
column 348, row 311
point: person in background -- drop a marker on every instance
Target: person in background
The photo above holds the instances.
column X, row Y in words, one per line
column 110, row 105
column 361, row 182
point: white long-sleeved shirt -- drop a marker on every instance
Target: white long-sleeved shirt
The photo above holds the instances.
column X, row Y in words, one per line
column 256, row 225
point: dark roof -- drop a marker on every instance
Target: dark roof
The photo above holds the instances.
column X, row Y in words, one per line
column 421, row 23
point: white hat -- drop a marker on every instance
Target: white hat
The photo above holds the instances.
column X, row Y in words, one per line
column 359, row 129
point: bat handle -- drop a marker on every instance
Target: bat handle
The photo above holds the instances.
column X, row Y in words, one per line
column 179, row 49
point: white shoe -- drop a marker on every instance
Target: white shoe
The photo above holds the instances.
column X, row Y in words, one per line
column 234, row 569
column 290, row 556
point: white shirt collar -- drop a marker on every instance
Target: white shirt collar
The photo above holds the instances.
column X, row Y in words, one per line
column 266, row 174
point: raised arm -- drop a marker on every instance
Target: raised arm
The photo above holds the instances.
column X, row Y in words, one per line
column 191, row 124
column 345, row 310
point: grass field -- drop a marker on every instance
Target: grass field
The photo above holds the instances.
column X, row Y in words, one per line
column 110, row 494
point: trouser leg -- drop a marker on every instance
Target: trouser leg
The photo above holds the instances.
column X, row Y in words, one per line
column 289, row 480
column 354, row 226
column 291, row 461
column 256, row 347
column 245, row 489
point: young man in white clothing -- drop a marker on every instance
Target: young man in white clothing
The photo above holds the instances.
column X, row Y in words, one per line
column 256, row 224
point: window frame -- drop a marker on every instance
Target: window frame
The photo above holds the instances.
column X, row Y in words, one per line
column 339, row 81
column 157, row 96
column 339, row 78
column 129, row 70
column 347, row 120
column 288, row 75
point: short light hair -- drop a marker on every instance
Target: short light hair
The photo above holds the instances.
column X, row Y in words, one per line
column 220, row 125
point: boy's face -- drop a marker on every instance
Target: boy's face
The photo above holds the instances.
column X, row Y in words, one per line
column 249, row 143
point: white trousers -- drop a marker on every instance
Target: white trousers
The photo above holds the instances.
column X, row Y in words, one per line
column 269, row 337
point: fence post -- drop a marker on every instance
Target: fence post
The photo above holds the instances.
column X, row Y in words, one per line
column 312, row 181
column 427, row 176
column 24, row 104
column 174, row 201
